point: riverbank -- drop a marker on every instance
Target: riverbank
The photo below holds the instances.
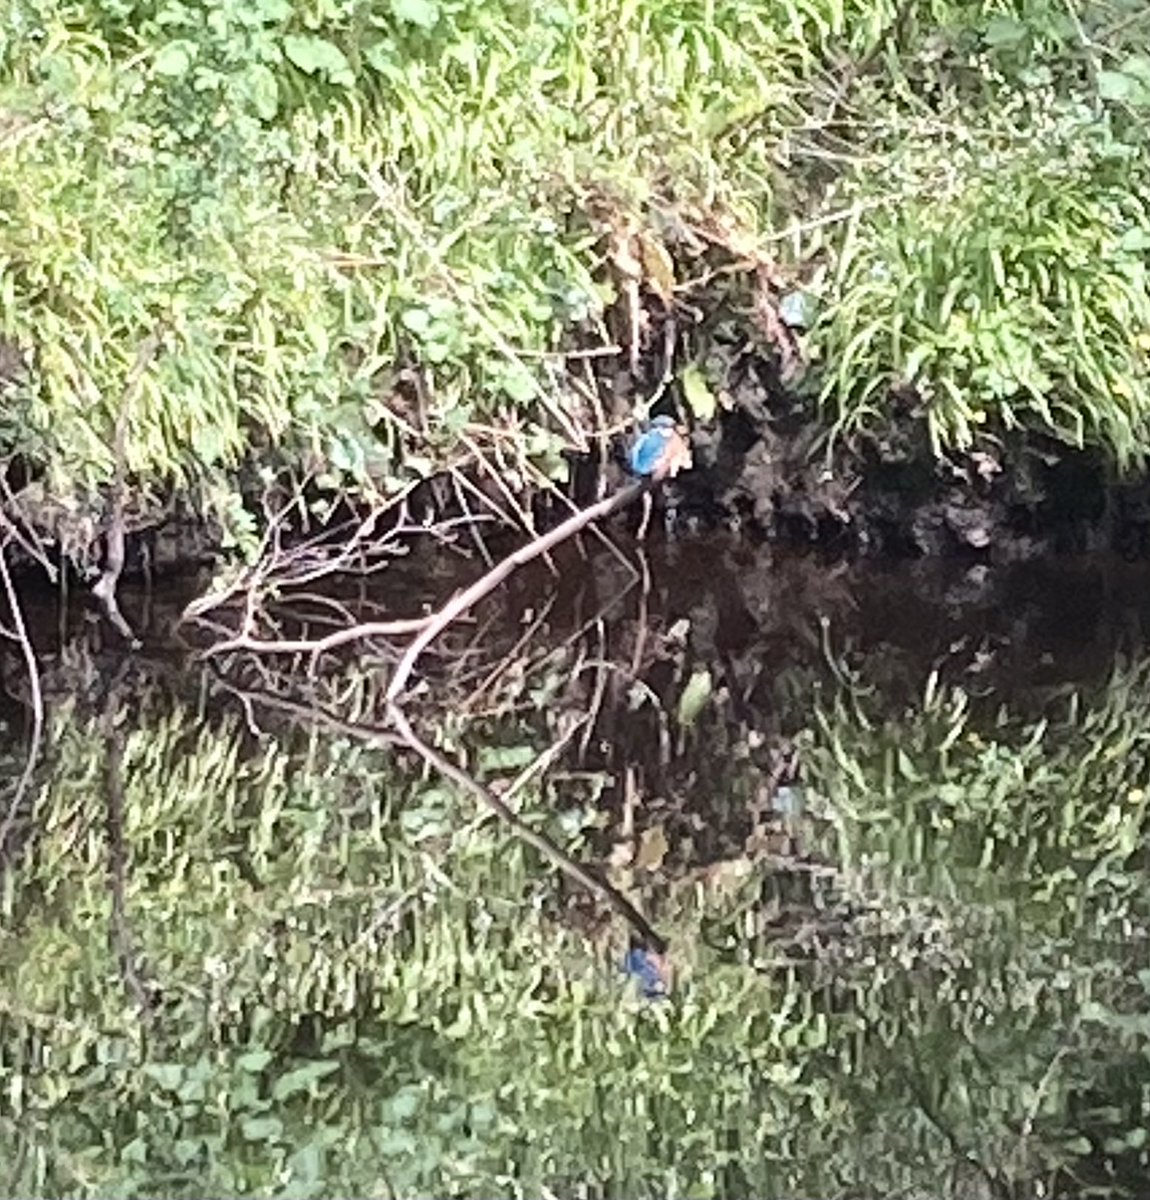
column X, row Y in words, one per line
column 889, row 267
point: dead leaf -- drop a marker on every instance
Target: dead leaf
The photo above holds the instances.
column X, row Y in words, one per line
column 658, row 265
column 653, row 847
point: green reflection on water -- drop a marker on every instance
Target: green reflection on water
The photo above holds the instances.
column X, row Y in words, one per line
column 937, row 987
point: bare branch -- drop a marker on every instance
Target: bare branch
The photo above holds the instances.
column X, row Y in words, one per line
column 469, row 597
column 532, row 837
column 316, row 648
column 33, row 669
column 105, row 587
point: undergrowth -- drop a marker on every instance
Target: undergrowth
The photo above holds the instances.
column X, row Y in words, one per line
column 363, row 232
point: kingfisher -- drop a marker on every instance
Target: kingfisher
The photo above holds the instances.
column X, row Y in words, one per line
column 660, row 451
column 650, row 970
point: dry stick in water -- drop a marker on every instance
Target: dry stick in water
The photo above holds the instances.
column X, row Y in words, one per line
column 452, row 611
column 404, row 735
column 436, row 624
column 469, row 597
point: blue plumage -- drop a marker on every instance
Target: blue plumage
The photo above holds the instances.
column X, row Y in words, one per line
column 649, row 970
column 650, row 448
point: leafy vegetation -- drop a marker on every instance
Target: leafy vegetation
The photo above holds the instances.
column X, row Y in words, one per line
column 359, row 228
column 355, row 986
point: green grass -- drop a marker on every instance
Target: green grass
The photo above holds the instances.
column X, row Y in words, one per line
column 360, row 227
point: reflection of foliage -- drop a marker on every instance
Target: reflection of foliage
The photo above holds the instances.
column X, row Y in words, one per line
column 1004, row 865
column 362, row 990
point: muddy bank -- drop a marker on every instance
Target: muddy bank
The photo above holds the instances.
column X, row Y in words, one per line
column 1019, row 501
column 768, row 467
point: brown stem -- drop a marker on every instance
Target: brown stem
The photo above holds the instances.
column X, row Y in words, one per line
column 105, row 587
column 469, row 597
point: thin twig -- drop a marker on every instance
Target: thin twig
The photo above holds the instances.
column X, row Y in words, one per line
column 598, row 691
column 508, row 660
column 609, row 351
column 27, row 540
column 469, row 597
column 341, row 637
column 34, row 689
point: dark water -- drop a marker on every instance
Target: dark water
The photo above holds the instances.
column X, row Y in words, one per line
column 891, row 820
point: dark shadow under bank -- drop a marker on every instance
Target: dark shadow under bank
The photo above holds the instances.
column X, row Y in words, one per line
column 1009, row 629
column 1016, row 498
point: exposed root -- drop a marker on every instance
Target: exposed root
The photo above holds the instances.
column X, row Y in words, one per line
column 19, row 634
column 105, row 587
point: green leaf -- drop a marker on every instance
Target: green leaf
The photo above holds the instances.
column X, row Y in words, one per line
column 1135, row 240
column 697, row 392
column 262, row 1129
column 263, row 90
column 301, row 1078
column 519, row 385
column 404, row 1103
column 306, row 1164
column 1004, row 31
column 1130, row 84
column 1116, row 85
column 254, row 1061
column 272, row 11
column 173, row 60
column 136, row 1151
column 423, row 13
column 416, row 320
column 504, row 758
column 187, row 1150
column 695, row 696
column 210, row 443
column 1138, row 66
column 797, row 310
column 317, row 56
column 168, row 1075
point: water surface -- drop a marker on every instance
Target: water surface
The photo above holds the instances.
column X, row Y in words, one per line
column 891, row 819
